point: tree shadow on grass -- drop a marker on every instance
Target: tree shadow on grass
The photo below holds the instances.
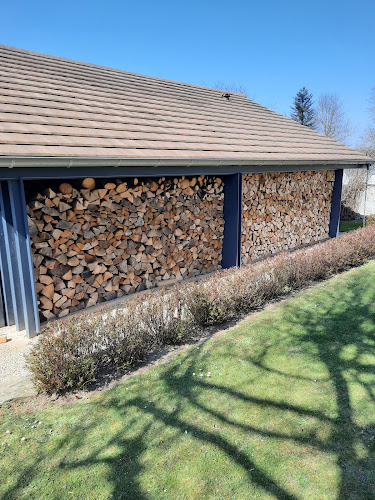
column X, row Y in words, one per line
column 341, row 334
column 338, row 334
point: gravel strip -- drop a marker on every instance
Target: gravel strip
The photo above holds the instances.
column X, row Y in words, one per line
column 15, row 378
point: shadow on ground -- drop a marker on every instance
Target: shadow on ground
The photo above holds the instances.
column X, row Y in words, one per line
column 336, row 343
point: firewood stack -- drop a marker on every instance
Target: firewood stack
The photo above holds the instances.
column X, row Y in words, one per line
column 103, row 240
column 283, row 211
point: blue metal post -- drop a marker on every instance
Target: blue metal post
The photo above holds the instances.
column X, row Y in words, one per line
column 232, row 218
column 335, row 205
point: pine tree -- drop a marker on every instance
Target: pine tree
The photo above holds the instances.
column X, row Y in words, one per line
column 302, row 109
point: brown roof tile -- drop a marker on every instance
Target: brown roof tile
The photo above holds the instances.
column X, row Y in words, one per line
column 59, row 108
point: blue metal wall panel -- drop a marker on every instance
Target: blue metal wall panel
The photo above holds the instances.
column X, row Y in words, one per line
column 17, row 271
column 336, row 205
column 11, row 279
column 232, row 216
column 4, row 271
column 2, row 309
column 22, row 250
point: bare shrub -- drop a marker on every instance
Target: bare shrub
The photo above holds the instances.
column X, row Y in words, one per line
column 65, row 356
column 71, row 353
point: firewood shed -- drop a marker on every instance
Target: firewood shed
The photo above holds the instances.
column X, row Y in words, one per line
column 113, row 182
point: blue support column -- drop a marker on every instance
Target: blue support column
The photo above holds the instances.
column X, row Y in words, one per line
column 19, row 289
column 335, row 205
column 232, row 217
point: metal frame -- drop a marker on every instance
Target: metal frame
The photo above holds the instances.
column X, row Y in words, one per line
column 60, row 172
column 336, row 205
column 16, row 264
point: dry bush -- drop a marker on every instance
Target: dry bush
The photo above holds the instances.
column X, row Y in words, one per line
column 71, row 353
column 221, row 297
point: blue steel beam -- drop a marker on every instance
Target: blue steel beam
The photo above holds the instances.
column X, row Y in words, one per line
column 22, row 250
column 232, row 217
column 55, row 172
column 336, row 205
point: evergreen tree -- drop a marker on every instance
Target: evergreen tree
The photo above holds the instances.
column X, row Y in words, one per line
column 302, row 110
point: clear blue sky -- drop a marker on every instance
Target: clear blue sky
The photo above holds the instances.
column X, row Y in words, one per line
column 272, row 48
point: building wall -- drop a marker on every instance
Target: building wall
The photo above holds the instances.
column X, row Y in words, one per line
column 357, row 200
column 364, row 204
column 284, row 210
column 93, row 245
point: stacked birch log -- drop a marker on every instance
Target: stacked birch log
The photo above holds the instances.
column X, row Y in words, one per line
column 101, row 240
column 284, row 210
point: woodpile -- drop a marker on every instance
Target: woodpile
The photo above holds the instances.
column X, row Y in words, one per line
column 100, row 240
column 284, row 210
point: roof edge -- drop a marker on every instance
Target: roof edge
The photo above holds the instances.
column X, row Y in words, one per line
column 45, row 162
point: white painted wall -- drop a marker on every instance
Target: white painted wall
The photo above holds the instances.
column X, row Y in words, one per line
column 360, row 207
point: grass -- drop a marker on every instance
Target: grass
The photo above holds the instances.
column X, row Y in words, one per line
column 350, row 225
column 287, row 413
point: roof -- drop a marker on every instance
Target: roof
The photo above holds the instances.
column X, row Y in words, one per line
column 54, row 107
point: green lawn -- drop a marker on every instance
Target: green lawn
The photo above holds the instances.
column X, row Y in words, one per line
column 287, row 413
column 349, row 226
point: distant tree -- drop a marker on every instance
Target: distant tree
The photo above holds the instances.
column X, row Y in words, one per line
column 237, row 88
column 367, row 144
column 353, row 187
column 372, row 104
column 302, row 110
column 356, row 180
column 330, row 117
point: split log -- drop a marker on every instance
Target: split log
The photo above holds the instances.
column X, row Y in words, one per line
column 66, row 188
column 88, row 183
